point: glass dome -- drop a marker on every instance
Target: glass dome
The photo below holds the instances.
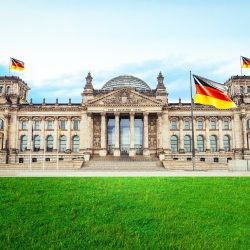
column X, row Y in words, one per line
column 126, row 81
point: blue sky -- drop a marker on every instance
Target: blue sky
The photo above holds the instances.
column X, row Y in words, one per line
column 60, row 41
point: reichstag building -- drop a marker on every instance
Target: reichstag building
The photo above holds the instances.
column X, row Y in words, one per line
column 124, row 117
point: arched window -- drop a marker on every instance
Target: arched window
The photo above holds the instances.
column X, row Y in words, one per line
column 174, row 143
column 36, row 143
column 1, row 124
column 49, row 143
column 23, row 143
column 75, row 143
column 187, row 143
column 8, row 90
column 200, row 143
column 248, row 123
column 174, row 124
column 62, row 145
column 213, row 143
column 226, row 143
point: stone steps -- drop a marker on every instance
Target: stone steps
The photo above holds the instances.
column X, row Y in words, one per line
column 123, row 163
column 184, row 165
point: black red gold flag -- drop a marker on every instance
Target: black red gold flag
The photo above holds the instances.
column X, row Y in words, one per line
column 16, row 64
column 245, row 62
column 212, row 93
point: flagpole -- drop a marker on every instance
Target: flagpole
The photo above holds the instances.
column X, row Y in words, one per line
column 44, row 154
column 30, row 152
column 240, row 66
column 192, row 116
column 57, row 157
column 9, row 66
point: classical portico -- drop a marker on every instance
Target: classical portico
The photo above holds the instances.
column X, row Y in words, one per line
column 120, row 113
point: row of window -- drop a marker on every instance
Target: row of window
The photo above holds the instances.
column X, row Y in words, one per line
column 200, row 143
column 49, row 125
column 242, row 89
column 49, row 143
column 200, row 124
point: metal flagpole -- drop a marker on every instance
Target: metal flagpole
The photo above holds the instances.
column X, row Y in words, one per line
column 57, row 157
column 192, row 116
column 44, row 145
column 31, row 145
column 9, row 67
column 240, row 66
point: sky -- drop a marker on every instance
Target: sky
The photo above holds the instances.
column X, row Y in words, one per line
column 61, row 41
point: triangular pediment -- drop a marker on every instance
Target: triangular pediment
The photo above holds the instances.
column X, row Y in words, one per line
column 124, row 97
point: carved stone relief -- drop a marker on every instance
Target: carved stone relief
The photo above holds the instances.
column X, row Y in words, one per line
column 97, row 131
column 152, row 132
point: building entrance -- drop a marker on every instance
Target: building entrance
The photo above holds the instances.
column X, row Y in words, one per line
column 125, row 138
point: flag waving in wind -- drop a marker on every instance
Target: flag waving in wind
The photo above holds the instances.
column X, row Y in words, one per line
column 212, row 93
column 245, row 62
column 16, row 64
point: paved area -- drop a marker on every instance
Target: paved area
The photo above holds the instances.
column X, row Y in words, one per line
column 113, row 173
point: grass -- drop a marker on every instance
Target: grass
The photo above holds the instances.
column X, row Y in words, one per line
column 125, row 213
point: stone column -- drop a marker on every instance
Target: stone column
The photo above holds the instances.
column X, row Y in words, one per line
column 69, row 139
column 165, row 128
column 55, row 139
column 244, row 132
column 145, row 134
column 232, row 134
column 84, row 133
column 220, row 139
column 181, row 136
column 132, row 151
column 207, row 139
column 159, row 133
column 103, row 151
column 117, row 135
column 43, row 139
column 6, row 129
column 30, row 144
column 90, row 132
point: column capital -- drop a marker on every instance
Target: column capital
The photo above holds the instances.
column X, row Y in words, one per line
column 89, row 114
column 103, row 113
column 117, row 114
column 132, row 113
column 145, row 113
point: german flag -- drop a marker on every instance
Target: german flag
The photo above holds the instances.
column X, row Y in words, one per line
column 245, row 62
column 16, row 64
column 212, row 93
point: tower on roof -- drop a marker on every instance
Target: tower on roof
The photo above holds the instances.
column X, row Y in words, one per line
column 161, row 92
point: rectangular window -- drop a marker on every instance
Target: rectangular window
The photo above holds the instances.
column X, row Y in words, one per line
column 24, row 125
column 75, row 125
column 63, row 125
column 173, row 124
column 226, row 124
column 242, row 89
column 248, row 89
column 37, row 125
column 213, row 124
column 186, row 125
column 49, row 124
column 200, row 125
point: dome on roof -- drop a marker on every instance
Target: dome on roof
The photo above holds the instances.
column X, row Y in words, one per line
column 125, row 81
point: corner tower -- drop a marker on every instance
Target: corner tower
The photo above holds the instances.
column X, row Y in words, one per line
column 13, row 90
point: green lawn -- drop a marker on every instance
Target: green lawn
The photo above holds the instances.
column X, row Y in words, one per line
column 127, row 213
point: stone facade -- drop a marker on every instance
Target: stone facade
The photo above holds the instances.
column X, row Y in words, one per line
column 99, row 125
